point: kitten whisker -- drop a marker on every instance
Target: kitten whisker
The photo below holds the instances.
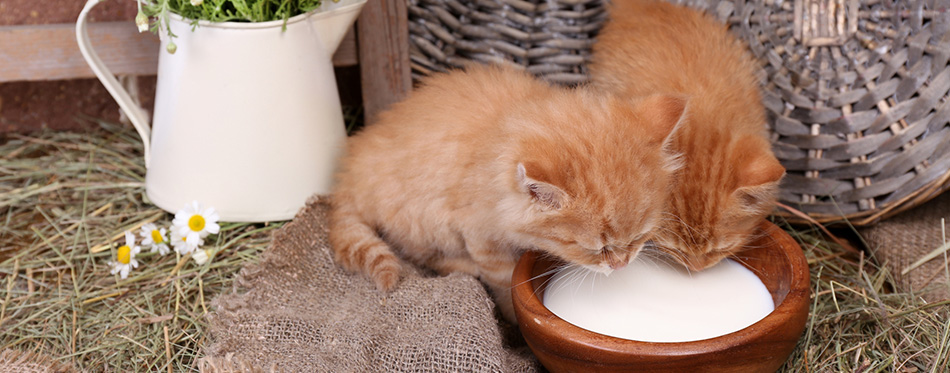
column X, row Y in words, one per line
column 647, row 258
column 671, row 257
column 549, row 284
column 668, row 230
column 577, row 277
column 652, row 252
column 756, row 236
column 567, row 278
column 747, row 265
column 551, row 271
column 554, row 269
column 748, row 247
column 689, row 229
column 593, row 283
column 663, row 258
column 581, row 282
column 680, row 258
column 672, row 263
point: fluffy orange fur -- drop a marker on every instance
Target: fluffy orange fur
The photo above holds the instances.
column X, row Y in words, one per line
column 478, row 165
column 730, row 178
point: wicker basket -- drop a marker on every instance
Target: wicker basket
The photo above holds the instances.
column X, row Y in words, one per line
column 857, row 90
column 550, row 38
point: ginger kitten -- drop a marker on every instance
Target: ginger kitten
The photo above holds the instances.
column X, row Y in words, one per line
column 478, row 165
column 730, row 178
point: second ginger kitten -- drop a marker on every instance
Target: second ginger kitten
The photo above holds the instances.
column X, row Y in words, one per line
column 730, row 179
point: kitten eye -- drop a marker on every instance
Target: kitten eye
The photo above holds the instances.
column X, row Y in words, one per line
column 636, row 241
column 608, row 250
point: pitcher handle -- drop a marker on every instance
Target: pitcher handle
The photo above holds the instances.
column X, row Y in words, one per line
column 121, row 96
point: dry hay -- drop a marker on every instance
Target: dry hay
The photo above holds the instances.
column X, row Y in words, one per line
column 859, row 322
column 62, row 194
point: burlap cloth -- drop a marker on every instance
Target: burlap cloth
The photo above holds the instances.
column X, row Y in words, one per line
column 297, row 311
column 16, row 361
column 903, row 239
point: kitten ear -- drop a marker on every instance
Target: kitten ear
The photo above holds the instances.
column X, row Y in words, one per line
column 758, row 198
column 548, row 195
column 755, row 163
column 662, row 115
column 759, row 173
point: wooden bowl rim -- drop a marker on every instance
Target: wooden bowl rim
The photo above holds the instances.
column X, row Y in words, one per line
column 571, row 336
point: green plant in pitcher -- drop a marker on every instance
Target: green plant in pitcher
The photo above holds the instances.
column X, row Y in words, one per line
column 156, row 12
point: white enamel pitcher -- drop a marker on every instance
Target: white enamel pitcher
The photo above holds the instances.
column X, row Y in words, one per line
column 247, row 117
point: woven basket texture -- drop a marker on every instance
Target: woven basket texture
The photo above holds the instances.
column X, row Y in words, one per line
column 857, row 90
column 550, row 38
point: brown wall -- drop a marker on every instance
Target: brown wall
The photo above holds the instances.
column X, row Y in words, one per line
column 32, row 105
column 28, row 106
column 43, row 12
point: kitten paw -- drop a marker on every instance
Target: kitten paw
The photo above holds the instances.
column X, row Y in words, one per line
column 386, row 278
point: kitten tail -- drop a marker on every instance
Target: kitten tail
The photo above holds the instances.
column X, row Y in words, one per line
column 359, row 249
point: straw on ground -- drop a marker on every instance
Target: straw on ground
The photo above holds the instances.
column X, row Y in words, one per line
column 66, row 197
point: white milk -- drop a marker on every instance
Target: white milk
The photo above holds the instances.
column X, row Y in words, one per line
column 659, row 302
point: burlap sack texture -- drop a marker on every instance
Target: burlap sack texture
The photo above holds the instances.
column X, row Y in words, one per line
column 16, row 361
column 297, row 311
column 902, row 240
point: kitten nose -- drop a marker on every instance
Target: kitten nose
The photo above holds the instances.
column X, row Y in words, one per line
column 613, row 260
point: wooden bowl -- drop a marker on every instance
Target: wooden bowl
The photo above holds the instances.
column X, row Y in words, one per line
column 761, row 347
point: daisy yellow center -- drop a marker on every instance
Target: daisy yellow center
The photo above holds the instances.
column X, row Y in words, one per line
column 124, row 254
column 196, row 223
column 157, row 236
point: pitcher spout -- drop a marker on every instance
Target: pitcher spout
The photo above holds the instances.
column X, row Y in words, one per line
column 333, row 20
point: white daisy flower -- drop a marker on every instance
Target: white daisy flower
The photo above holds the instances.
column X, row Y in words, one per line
column 200, row 256
column 125, row 257
column 182, row 244
column 195, row 223
column 154, row 238
column 196, row 2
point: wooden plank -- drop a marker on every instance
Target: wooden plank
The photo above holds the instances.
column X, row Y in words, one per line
column 50, row 52
column 383, row 33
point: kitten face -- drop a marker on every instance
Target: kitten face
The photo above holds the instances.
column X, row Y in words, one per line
column 716, row 237
column 594, row 239
column 709, row 221
column 594, row 197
